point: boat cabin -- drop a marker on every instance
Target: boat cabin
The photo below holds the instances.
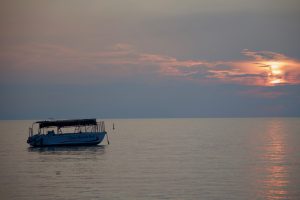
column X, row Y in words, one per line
column 68, row 132
column 79, row 126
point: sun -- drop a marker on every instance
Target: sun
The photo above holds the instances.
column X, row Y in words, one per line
column 275, row 69
column 275, row 73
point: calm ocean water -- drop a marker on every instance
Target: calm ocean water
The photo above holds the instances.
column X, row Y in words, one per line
column 251, row 158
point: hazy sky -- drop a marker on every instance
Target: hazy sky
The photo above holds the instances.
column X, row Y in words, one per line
column 135, row 58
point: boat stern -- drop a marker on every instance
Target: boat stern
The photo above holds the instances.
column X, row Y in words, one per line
column 35, row 140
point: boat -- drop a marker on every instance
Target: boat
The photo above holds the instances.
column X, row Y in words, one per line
column 68, row 133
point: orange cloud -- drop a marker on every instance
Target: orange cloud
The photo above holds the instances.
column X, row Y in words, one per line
column 260, row 68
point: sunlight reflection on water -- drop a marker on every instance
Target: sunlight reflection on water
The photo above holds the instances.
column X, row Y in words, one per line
column 276, row 180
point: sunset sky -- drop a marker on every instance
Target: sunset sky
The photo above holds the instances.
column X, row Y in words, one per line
column 135, row 58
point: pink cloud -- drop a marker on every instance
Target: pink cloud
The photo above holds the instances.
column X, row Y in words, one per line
column 262, row 68
column 261, row 92
column 35, row 61
column 259, row 68
column 263, row 55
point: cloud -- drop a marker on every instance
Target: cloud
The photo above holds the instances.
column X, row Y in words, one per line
column 263, row 55
column 262, row 92
column 33, row 61
column 261, row 68
column 39, row 62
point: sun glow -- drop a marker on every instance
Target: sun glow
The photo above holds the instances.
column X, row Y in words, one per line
column 275, row 73
column 275, row 69
column 276, row 81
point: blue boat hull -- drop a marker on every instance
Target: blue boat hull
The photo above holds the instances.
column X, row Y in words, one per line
column 66, row 139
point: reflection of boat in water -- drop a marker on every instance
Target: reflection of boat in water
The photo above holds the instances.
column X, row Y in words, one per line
column 69, row 150
column 87, row 132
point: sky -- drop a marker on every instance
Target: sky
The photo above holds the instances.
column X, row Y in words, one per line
column 149, row 59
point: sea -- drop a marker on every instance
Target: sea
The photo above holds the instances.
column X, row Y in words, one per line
column 184, row 159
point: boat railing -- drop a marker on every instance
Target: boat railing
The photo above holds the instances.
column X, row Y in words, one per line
column 100, row 126
column 30, row 132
